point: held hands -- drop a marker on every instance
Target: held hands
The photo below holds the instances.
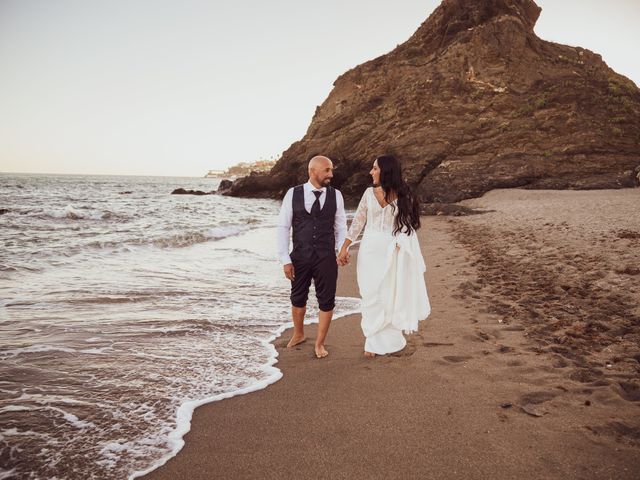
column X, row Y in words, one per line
column 289, row 271
column 343, row 257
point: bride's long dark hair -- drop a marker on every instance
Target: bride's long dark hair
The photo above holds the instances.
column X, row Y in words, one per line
column 391, row 181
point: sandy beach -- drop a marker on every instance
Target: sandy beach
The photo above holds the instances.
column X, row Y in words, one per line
column 528, row 366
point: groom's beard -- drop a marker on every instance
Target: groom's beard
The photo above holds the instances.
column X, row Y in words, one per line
column 325, row 182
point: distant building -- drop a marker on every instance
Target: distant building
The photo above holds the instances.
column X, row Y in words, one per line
column 243, row 168
column 214, row 173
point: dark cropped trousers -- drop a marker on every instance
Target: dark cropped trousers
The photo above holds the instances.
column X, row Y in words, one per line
column 324, row 273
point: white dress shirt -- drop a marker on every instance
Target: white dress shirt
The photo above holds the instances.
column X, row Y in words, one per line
column 286, row 217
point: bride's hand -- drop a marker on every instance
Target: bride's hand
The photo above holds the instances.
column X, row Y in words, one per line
column 343, row 257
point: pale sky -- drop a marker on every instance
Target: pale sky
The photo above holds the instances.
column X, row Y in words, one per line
column 157, row 87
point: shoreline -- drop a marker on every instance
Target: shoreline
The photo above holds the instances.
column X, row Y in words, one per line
column 184, row 414
column 472, row 395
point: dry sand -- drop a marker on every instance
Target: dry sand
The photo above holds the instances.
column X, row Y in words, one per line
column 528, row 367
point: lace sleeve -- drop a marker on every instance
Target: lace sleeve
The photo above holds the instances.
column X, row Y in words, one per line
column 359, row 219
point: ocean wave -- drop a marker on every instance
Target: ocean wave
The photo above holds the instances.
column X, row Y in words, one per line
column 72, row 419
column 7, row 473
column 44, row 399
column 131, row 298
column 185, row 239
column 178, row 240
column 15, row 408
column 271, row 373
column 132, row 450
column 70, row 212
column 225, row 231
column 49, row 348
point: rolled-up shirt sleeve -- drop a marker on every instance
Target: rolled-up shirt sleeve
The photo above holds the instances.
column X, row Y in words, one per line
column 283, row 227
column 340, row 224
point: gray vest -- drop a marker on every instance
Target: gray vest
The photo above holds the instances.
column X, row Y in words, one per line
column 313, row 233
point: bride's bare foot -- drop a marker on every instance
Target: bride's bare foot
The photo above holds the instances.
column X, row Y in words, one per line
column 369, row 354
column 295, row 340
column 321, row 352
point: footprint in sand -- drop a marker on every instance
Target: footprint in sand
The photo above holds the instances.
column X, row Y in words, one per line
column 586, row 375
column 436, row 344
column 456, row 358
column 514, row 328
column 505, row 349
column 535, row 398
column 629, row 391
column 530, row 402
column 407, row 351
column 560, row 362
column 623, row 432
column 483, row 336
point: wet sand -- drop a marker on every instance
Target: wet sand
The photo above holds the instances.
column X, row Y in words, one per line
column 528, row 366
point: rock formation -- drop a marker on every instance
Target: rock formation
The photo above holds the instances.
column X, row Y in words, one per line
column 182, row 191
column 474, row 100
column 224, row 186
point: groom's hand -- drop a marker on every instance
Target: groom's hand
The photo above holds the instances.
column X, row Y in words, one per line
column 289, row 271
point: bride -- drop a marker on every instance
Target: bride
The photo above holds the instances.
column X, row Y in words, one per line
column 390, row 266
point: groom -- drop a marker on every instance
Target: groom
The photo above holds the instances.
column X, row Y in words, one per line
column 315, row 210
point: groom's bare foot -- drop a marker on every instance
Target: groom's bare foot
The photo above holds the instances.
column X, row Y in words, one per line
column 369, row 354
column 295, row 340
column 321, row 352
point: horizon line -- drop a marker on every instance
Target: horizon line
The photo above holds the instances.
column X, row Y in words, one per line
column 100, row 174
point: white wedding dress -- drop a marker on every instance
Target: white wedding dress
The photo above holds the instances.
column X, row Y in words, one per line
column 390, row 271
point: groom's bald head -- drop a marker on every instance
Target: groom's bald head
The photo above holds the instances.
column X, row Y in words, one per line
column 319, row 162
column 320, row 170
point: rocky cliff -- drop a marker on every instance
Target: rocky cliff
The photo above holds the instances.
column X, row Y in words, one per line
column 474, row 100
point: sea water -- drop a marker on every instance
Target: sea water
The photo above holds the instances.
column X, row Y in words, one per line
column 122, row 308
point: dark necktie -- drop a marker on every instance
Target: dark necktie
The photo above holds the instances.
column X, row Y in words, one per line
column 315, row 208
